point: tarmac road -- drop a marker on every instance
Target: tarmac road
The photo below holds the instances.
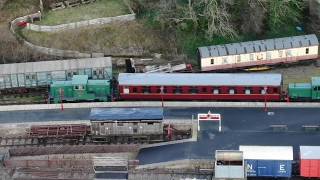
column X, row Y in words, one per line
column 240, row 126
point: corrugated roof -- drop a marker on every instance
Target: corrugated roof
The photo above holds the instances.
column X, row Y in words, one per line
column 60, row 65
column 310, row 152
column 259, row 46
column 126, row 114
column 267, row 152
column 200, row 79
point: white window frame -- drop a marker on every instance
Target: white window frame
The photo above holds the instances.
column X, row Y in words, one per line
column 248, row 91
column 126, row 90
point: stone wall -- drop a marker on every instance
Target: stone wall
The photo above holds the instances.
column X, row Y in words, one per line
column 81, row 24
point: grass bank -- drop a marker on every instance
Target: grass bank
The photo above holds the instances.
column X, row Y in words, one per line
column 98, row 9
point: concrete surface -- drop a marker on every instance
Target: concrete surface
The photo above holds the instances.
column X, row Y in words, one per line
column 157, row 104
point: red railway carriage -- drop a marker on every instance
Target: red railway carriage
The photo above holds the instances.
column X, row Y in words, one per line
column 59, row 131
column 201, row 86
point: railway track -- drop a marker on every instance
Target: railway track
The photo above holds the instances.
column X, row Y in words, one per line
column 24, row 98
column 16, row 142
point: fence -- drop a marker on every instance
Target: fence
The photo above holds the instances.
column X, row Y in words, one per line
column 81, row 24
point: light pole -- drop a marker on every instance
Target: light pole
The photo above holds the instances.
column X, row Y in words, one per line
column 265, row 98
column 161, row 93
column 61, row 92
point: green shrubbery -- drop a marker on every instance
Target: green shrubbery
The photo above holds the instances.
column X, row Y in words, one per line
column 206, row 22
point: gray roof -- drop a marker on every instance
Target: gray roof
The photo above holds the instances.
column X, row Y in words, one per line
column 59, row 65
column 200, row 79
column 310, row 152
column 126, row 114
column 259, row 46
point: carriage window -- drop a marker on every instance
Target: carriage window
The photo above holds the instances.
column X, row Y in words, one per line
column 165, row 90
column 248, row 91
column 316, row 88
column 307, row 50
column 231, row 91
column 251, row 57
column 119, row 124
column 79, row 87
column 289, row 53
column 134, row 90
column 268, row 55
column 69, row 74
column 238, row 59
column 177, row 90
column 212, row 61
column 280, row 53
column 146, row 89
column 225, row 60
column 194, row 90
column 216, row 91
column 126, row 90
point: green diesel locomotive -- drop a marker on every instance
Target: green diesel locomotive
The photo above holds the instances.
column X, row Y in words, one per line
column 305, row 91
column 80, row 88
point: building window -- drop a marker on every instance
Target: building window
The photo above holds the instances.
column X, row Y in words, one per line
column 216, row 91
column 307, row 50
column 150, row 123
column 212, row 61
column 119, row 124
column 27, row 77
column 231, row 91
column 251, row 57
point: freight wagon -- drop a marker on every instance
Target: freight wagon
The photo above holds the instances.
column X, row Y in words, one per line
column 37, row 74
column 268, row 161
column 114, row 125
column 257, row 53
column 276, row 162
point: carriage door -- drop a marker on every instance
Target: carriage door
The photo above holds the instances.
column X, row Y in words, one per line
column 315, row 87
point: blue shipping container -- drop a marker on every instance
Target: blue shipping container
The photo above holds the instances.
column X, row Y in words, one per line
column 268, row 168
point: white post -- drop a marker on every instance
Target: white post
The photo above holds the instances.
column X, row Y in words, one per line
column 220, row 125
column 198, row 123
